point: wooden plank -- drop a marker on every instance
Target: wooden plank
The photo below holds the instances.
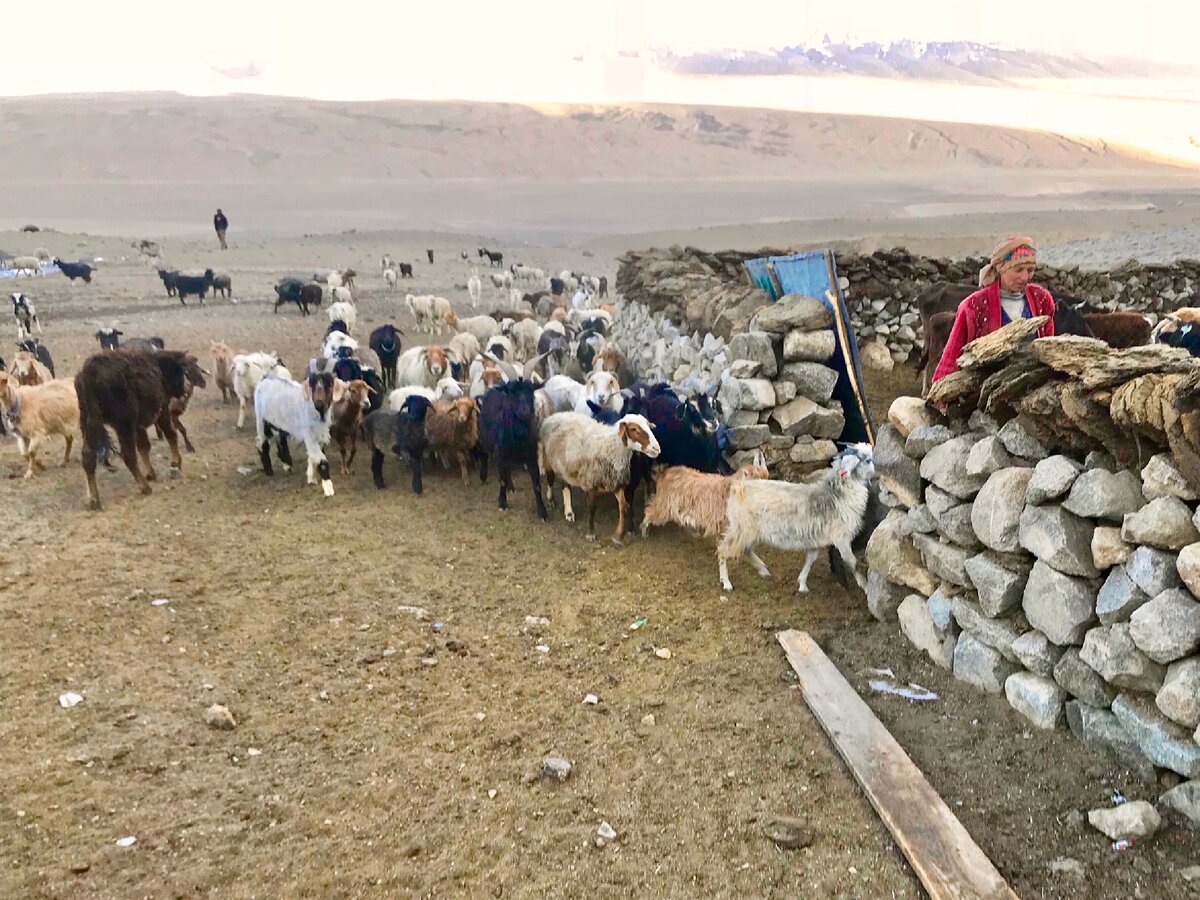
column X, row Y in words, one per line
column 939, row 849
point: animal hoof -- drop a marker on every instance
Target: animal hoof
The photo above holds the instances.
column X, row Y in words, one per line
column 151, row 476
column 727, row 586
column 801, row 590
column 616, row 542
column 147, row 490
column 571, row 517
column 94, row 505
column 327, row 487
column 174, row 474
column 286, row 467
column 589, row 537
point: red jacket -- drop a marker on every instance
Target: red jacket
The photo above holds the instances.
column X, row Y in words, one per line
column 979, row 314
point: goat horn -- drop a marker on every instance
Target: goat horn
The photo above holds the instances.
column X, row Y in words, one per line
column 527, row 370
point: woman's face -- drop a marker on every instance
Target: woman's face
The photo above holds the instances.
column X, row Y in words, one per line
column 1016, row 277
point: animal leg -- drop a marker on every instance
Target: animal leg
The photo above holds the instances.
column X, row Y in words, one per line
column 143, row 449
column 568, row 511
column 414, row 461
column 127, row 437
column 591, row 531
column 88, row 459
column 464, row 464
column 483, row 467
column 723, row 572
column 285, row 454
column 241, row 422
column 168, row 427
column 30, row 454
column 264, row 454
column 187, row 444
column 70, row 438
column 504, row 477
column 377, row 468
column 313, row 449
column 810, row 557
column 621, row 510
column 846, row 552
column 536, row 477
column 353, row 451
column 759, row 565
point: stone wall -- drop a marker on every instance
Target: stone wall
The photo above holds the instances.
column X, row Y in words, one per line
column 711, row 292
column 1068, row 585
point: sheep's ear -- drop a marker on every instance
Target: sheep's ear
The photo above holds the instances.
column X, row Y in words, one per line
column 760, row 459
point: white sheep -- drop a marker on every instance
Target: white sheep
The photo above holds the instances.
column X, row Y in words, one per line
column 482, row 327
column 594, row 457
column 515, row 298
column 336, row 341
column 249, row 369
column 525, row 335
column 445, row 389
column 441, row 311
column 805, row 517
column 389, row 276
column 29, row 264
column 344, row 312
column 340, row 294
column 385, row 263
column 565, row 394
column 464, row 347
column 421, row 307
column 294, row 410
column 422, row 366
column 475, row 287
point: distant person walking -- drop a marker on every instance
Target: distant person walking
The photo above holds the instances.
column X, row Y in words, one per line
column 220, row 223
column 430, row 254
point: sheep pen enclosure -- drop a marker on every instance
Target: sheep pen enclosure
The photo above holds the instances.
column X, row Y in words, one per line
column 399, row 667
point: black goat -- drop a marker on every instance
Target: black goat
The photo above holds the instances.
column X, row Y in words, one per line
column 385, row 342
column 375, row 383
column 293, row 290
column 337, row 325
column 494, row 259
column 199, row 285
column 75, row 270
column 508, row 436
column 406, row 270
column 347, row 368
column 109, row 338
column 603, row 292
column 168, row 280
column 39, row 352
column 429, row 253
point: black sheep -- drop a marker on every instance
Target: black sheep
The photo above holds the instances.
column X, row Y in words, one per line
column 75, row 270
column 198, row 285
column 168, row 280
column 385, row 342
column 402, row 433
column 406, row 270
column 508, row 436
column 293, row 290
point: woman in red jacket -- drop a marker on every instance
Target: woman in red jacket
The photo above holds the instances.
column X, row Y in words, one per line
column 1006, row 292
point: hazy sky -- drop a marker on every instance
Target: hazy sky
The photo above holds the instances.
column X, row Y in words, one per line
column 519, row 49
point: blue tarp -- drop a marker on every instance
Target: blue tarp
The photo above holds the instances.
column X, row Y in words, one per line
column 814, row 274
column 46, row 269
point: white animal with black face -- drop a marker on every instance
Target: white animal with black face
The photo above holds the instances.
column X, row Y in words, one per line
column 26, row 315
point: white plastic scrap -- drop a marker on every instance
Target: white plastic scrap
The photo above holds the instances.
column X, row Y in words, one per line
column 69, row 699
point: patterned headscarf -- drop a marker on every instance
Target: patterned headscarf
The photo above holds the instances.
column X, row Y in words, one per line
column 1012, row 251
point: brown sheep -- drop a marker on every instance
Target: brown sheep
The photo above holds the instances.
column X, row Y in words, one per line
column 350, row 399
column 1119, row 330
column 453, row 429
column 37, row 411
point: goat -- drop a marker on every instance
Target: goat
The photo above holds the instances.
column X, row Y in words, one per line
column 611, row 359
column 301, row 411
column 193, row 284
column 249, row 369
column 421, row 306
column 223, row 369
column 406, row 270
column 222, row 284
column 595, row 457
column 26, row 315
column 350, row 400
column 464, row 346
column 343, row 312
column 27, row 369
column 694, row 499
column 568, row 395
column 340, row 294
column 385, row 342
column 602, row 290
column 500, row 347
column 389, row 277
column 809, row 517
column 475, row 288
column 1120, row 330
column 38, row 351
column 75, row 270
column 109, row 338
column 402, row 433
column 177, row 406
column 422, row 366
column 30, row 264
column 293, row 290
column 446, row 389
column 35, row 412
column 168, row 280
column 525, row 335
column 129, row 391
column 494, row 259
column 482, row 327
column 336, row 343
column 508, row 436
column 453, row 429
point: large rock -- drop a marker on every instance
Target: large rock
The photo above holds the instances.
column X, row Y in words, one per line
column 1101, row 732
column 1108, row 549
column 999, row 588
column 1165, row 523
column 946, row 467
column 988, row 456
column 785, row 392
column 1118, row 598
column 946, row 561
column 1153, row 571
column 1168, row 627
column 744, row 368
column 1105, row 495
column 897, row 472
column 810, row 450
column 748, row 437
column 978, row 664
column 918, row 627
column 1058, row 538
column 793, row 311
column 1052, row 477
column 740, row 418
column 803, row 416
column 1019, row 441
column 747, row 393
column 1185, row 800
column 883, row 596
column 908, row 413
column 939, row 501
column 1188, row 567
column 1179, row 697
column 755, row 346
column 1110, row 651
column 996, row 513
column 924, row 438
column 1038, row 699
column 1037, row 654
column 941, row 614
column 956, row 526
column 809, row 346
column 896, row 558
column 1129, row 821
column 1058, row 605
column 999, row 634
column 1163, row 742
column 1080, row 680
column 812, row 380
column 1162, row 478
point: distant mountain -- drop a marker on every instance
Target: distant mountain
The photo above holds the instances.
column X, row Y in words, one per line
column 959, row 61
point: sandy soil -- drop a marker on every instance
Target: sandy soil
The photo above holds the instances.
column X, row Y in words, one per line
column 370, row 736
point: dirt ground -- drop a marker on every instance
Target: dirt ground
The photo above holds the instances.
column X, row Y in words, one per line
column 370, row 735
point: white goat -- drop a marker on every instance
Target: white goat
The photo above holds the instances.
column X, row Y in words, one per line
column 464, row 346
column 290, row 408
column 345, row 312
column 525, row 335
column 475, row 288
column 335, row 341
column 341, row 294
column 595, row 457
column 568, row 395
column 441, row 310
column 249, row 369
column 389, row 276
column 421, row 306
column 482, row 327
column 805, row 517
column 385, row 263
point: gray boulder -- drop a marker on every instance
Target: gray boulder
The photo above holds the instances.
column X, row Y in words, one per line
column 1080, row 680
column 812, row 380
column 939, row 501
column 1118, row 598
column 1019, row 441
column 946, row 467
column 1187, row 565
column 1102, row 732
column 988, row 456
column 1179, row 697
column 1058, row 605
column 1108, row 549
column 1052, row 477
column 1168, row 627
column 919, row 520
column 1037, row 654
column 748, row 437
column 1110, row 651
column 755, row 346
column 793, row 311
column 808, row 346
column 978, row 664
column 747, row 393
column 918, row 627
column 1185, row 800
column 883, row 596
column 1038, row 699
column 999, row 588
column 1162, row 478
column 996, row 513
column 785, row 391
column 1163, row 742
column 1165, row 523
column 1098, row 494
column 1100, row 459
column 941, row 614
column 803, row 416
column 946, row 561
column 924, row 438
column 897, row 472
column 956, row 526
column 1154, row 571
column 744, row 368
column 1058, row 538
column 1129, row 821
column 896, row 558
column 999, row 634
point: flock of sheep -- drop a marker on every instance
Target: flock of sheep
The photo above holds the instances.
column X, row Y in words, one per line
column 536, row 384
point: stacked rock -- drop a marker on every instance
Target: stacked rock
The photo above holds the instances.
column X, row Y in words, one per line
column 1069, row 586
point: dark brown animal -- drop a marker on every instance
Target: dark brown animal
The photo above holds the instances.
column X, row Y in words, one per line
column 453, row 430
column 129, row 391
column 1119, row 330
column 178, row 405
column 350, row 401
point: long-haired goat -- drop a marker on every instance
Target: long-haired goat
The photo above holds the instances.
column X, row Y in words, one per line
column 37, row 411
column 508, row 436
column 453, row 429
column 694, row 499
column 350, row 401
column 809, row 517
column 223, row 369
column 401, row 433
column 249, row 369
column 40, row 351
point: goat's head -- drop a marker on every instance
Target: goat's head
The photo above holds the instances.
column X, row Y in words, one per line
column 337, row 325
column 637, row 434
column 193, row 372
column 602, row 387
column 173, row 367
column 414, row 408
column 436, row 361
column 857, row 461
column 109, row 338
column 464, row 410
column 448, row 389
column 754, row 470
column 220, row 350
column 319, row 390
column 358, row 392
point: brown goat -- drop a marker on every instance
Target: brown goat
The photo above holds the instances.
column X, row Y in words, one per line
column 178, row 405
column 1119, row 330
column 611, row 359
column 694, row 499
column 28, row 370
column 223, row 369
column 129, row 391
column 349, row 401
column 452, row 427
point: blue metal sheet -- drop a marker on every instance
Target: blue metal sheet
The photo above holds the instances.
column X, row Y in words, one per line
column 814, row 274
